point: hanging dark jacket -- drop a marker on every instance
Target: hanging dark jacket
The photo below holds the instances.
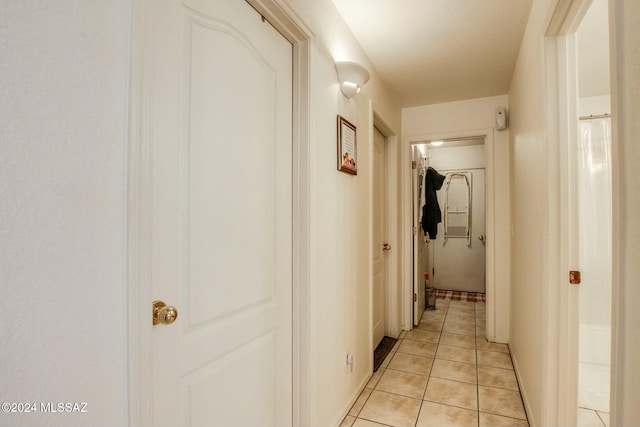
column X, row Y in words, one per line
column 431, row 214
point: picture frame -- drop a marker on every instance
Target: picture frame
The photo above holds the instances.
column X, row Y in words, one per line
column 347, row 147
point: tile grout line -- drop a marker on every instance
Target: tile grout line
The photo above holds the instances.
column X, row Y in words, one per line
column 600, row 418
column 433, row 361
column 475, row 348
column 475, row 336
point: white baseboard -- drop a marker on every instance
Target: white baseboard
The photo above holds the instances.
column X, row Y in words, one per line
column 345, row 410
column 525, row 401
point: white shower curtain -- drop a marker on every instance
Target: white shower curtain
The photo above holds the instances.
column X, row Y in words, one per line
column 594, row 186
column 594, row 189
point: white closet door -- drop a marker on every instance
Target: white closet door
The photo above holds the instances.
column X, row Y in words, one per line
column 379, row 238
column 221, row 228
column 459, row 264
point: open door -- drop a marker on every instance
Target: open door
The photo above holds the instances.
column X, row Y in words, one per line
column 420, row 245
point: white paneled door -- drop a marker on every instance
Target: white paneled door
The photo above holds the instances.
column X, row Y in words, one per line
column 380, row 246
column 221, row 215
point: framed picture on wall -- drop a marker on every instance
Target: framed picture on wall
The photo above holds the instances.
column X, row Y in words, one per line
column 347, row 147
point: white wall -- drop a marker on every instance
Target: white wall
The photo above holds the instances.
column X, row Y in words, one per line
column 459, row 119
column 594, row 105
column 592, row 43
column 450, row 158
column 341, row 217
column 529, row 193
column 63, row 125
column 625, row 57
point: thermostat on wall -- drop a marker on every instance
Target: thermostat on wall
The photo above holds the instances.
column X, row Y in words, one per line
column 501, row 119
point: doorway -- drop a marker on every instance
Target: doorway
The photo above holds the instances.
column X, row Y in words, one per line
column 497, row 237
column 452, row 256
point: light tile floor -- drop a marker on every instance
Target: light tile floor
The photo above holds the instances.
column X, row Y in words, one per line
column 593, row 395
column 443, row 373
column 592, row 418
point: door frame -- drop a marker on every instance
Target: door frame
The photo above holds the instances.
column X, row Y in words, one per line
column 138, row 215
column 495, row 312
column 560, row 315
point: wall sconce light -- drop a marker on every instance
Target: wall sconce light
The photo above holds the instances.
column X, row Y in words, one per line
column 352, row 77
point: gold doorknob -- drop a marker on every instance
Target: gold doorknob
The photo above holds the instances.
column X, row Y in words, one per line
column 386, row 247
column 163, row 313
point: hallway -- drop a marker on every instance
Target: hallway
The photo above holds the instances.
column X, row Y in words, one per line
column 443, row 374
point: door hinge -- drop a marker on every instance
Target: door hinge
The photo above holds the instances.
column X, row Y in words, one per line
column 415, row 297
column 574, row 277
column 433, row 271
column 415, row 231
column 414, row 165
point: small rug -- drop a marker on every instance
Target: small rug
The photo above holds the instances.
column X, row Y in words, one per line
column 381, row 351
column 460, row 296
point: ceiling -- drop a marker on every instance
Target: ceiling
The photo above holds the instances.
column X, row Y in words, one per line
column 434, row 51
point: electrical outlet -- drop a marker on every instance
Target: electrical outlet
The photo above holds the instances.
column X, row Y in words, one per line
column 349, row 359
